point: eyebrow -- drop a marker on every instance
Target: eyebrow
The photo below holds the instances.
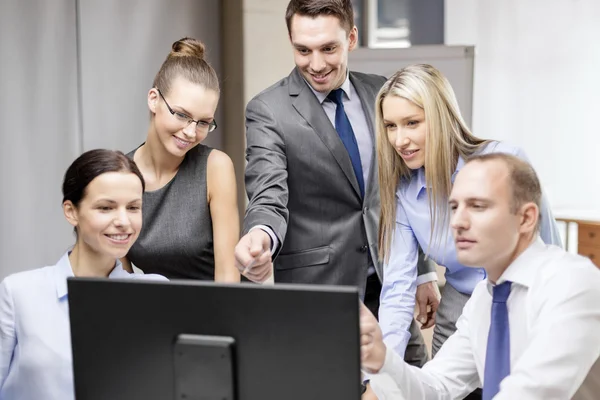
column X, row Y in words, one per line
column 114, row 202
column 472, row 200
column 328, row 44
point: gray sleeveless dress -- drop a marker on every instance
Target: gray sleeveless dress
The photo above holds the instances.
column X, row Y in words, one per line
column 176, row 240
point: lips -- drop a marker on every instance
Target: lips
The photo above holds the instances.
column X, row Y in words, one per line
column 182, row 144
column 464, row 243
column 320, row 78
column 119, row 238
column 408, row 152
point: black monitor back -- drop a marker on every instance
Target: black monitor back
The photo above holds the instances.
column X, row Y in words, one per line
column 290, row 342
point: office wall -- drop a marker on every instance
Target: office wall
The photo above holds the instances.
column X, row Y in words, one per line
column 267, row 51
column 74, row 76
column 537, row 86
column 39, row 128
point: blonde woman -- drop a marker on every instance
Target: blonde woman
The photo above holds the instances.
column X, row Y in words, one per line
column 422, row 143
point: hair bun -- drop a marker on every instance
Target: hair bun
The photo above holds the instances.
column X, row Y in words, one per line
column 187, row 47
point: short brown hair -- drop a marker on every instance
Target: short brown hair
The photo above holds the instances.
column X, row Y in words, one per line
column 342, row 9
column 524, row 182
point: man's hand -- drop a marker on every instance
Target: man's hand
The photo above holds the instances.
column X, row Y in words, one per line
column 253, row 256
column 372, row 348
column 428, row 300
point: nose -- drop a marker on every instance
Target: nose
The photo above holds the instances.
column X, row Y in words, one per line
column 122, row 219
column 317, row 62
column 190, row 130
column 459, row 220
column 401, row 140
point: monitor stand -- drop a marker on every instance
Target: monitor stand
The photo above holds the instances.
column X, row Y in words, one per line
column 204, row 367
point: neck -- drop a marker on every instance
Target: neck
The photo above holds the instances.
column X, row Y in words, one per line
column 494, row 272
column 155, row 157
column 86, row 263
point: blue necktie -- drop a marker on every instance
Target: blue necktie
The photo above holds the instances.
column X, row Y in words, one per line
column 497, row 358
column 344, row 130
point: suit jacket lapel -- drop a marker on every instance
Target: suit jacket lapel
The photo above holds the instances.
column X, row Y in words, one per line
column 367, row 98
column 308, row 106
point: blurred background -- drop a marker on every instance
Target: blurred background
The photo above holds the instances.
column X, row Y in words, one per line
column 74, row 75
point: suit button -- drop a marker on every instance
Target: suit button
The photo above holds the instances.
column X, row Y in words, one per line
column 365, row 210
column 363, row 249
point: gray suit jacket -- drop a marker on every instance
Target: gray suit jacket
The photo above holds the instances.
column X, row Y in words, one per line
column 300, row 183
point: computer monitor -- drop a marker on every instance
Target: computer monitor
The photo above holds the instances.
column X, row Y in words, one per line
column 191, row 340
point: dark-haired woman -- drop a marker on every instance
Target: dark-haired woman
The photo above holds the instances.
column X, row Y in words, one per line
column 191, row 223
column 102, row 199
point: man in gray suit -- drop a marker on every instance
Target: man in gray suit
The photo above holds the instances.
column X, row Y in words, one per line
column 311, row 175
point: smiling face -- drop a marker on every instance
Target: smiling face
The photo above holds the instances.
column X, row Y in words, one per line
column 321, row 47
column 406, row 129
column 108, row 218
column 188, row 101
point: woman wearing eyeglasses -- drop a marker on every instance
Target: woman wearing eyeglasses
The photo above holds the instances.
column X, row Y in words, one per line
column 190, row 216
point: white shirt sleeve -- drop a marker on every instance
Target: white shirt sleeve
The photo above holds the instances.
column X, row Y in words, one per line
column 452, row 374
column 564, row 342
column 8, row 339
column 274, row 240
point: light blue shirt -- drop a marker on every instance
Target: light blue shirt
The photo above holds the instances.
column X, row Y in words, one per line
column 35, row 335
column 413, row 228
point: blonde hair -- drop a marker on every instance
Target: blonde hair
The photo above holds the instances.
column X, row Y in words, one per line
column 447, row 139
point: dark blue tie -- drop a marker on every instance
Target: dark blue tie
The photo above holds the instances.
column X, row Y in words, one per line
column 497, row 357
column 344, row 130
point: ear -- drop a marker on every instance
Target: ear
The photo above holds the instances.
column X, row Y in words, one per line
column 529, row 217
column 353, row 38
column 70, row 212
column 153, row 100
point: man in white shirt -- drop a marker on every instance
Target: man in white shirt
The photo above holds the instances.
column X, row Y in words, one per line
column 531, row 330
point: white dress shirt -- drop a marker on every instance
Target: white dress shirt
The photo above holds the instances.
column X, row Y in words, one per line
column 554, row 318
column 35, row 334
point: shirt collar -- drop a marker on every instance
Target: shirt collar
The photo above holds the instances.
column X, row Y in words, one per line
column 418, row 182
column 522, row 271
column 322, row 96
column 63, row 270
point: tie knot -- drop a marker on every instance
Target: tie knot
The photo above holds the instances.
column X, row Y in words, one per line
column 336, row 96
column 501, row 292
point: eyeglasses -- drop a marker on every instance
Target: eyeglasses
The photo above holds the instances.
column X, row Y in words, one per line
column 201, row 126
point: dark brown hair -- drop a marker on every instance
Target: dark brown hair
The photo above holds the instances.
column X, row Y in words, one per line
column 342, row 9
column 186, row 59
column 523, row 180
column 91, row 164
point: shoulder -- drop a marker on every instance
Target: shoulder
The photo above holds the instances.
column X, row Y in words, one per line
column 220, row 164
column 27, row 281
column 219, row 159
column 220, row 171
column 148, row 277
column 373, row 80
column 272, row 94
column 565, row 275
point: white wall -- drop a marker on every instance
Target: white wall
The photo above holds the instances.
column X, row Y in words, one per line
column 268, row 54
column 122, row 46
column 537, row 85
